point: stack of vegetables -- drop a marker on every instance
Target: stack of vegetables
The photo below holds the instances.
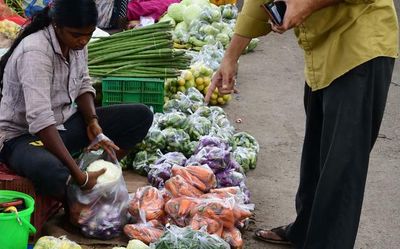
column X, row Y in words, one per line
column 190, row 199
column 185, row 121
column 9, row 29
column 142, row 52
column 198, row 76
column 198, row 23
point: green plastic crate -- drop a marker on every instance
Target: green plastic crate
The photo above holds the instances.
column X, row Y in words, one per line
column 118, row 90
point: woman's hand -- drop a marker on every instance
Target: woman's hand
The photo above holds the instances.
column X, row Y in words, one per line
column 93, row 130
column 89, row 179
column 224, row 79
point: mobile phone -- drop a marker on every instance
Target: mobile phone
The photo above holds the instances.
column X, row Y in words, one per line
column 276, row 11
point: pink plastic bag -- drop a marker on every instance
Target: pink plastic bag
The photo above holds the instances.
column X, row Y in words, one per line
column 152, row 8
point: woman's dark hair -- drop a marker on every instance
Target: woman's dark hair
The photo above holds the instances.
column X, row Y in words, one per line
column 64, row 13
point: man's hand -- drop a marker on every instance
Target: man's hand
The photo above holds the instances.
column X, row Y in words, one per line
column 298, row 10
column 224, row 79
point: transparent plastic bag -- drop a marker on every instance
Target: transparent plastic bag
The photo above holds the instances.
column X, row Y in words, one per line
column 176, row 237
column 50, row 242
column 146, row 232
column 147, row 204
column 198, row 126
column 102, row 211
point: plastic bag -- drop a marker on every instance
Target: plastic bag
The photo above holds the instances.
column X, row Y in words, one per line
column 178, row 186
column 147, row 204
column 176, row 139
column 147, row 232
column 198, row 126
column 176, row 237
column 246, row 157
column 50, row 242
column 178, row 209
column 101, row 212
column 201, row 177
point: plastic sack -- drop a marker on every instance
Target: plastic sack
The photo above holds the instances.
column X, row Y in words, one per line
column 176, row 237
column 142, row 161
column 246, row 140
column 161, row 170
column 50, row 242
column 178, row 210
column 246, row 157
column 172, row 119
column 198, row 126
column 102, row 211
column 147, row 232
column 201, row 177
column 176, row 139
column 147, row 204
column 178, row 186
column 234, row 237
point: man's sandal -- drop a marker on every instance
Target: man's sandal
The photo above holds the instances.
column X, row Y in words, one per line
column 279, row 232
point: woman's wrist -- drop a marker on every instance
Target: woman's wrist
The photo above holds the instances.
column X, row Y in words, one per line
column 91, row 119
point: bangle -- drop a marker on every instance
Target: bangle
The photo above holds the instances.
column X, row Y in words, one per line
column 91, row 117
column 86, row 181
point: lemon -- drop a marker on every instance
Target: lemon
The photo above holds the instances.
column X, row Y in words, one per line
column 221, row 100
column 199, row 81
column 200, row 87
column 196, row 73
column 188, row 75
column 207, row 81
column 182, row 89
column 227, row 97
column 213, row 102
column 214, row 96
column 181, row 82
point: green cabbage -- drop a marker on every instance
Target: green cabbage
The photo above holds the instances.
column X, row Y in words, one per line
column 191, row 13
column 176, row 11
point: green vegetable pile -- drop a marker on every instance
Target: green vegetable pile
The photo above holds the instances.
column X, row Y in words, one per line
column 142, row 52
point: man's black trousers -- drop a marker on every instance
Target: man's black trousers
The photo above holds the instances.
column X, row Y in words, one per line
column 342, row 125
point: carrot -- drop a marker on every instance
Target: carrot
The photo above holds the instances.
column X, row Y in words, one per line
column 234, row 237
column 143, row 232
column 181, row 171
column 216, row 210
column 179, row 209
column 231, row 190
column 204, row 174
column 177, row 186
column 148, row 200
column 213, row 226
column 241, row 213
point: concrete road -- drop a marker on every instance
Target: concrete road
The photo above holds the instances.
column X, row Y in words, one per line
column 270, row 105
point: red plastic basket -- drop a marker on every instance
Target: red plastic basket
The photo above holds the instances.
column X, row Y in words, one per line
column 45, row 207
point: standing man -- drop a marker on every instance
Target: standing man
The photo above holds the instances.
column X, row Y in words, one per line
column 349, row 46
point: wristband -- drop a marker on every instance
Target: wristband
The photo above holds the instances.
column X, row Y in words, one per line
column 86, row 181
